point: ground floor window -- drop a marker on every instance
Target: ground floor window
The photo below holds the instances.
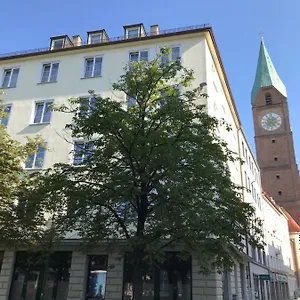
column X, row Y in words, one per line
column 38, row 276
column 167, row 280
column 256, row 286
column 96, row 283
column 1, row 259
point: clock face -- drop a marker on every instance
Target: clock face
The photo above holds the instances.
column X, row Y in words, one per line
column 271, row 121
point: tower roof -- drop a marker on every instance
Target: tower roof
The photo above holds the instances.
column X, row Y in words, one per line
column 266, row 74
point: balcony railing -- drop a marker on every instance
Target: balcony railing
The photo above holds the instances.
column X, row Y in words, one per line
column 113, row 39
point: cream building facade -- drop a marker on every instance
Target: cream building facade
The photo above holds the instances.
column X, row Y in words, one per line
column 70, row 68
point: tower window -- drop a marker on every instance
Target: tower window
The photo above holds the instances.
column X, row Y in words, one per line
column 276, row 158
column 279, row 192
column 278, row 176
column 273, row 141
column 268, row 99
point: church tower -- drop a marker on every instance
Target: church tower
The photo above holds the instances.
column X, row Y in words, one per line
column 273, row 136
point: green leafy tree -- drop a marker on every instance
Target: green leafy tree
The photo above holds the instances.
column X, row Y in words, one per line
column 16, row 226
column 154, row 173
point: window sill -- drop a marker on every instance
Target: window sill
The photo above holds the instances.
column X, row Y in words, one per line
column 42, row 123
column 41, row 83
column 91, row 77
column 9, row 87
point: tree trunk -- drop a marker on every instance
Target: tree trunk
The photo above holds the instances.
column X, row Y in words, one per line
column 137, row 281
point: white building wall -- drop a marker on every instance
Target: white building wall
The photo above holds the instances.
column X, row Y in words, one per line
column 70, row 83
column 218, row 106
column 195, row 55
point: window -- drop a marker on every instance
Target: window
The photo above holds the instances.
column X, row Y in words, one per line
column 253, row 253
column 5, row 118
column 278, row 176
column 138, row 56
column 264, row 258
column 246, row 179
column 97, row 274
column 131, row 101
column 42, row 112
column 36, row 160
column 10, row 78
column 175, row 54
column 37, row 274
column 279, row 193
column 95, row 38
column 93, row 67
column 49, row 72
column 260, row 258
column 58, row 44
column 243, row 281
column 87, row 105
column 243, row 148
column 1, row 259
column 275, row 158
column 268, row 99
column 169, row 94
column 133, row 33
column 166, row 280
column 273, row 141
column 82, row 151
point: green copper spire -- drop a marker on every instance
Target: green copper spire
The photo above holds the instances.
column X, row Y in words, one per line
column 266, row 74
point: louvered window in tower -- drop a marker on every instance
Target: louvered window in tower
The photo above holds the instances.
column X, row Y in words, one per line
column 268, row 99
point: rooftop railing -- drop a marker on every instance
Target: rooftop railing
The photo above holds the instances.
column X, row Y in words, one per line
column 113, row 39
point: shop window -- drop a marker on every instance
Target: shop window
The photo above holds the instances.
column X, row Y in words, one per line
column 169, row 280
column 39, row 276
column 97, row 274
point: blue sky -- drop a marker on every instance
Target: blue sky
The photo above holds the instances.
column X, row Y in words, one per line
column 236, row 24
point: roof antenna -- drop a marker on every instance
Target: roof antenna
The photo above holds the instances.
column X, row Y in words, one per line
column 261, row 35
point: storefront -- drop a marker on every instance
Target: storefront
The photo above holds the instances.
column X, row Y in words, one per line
column 279, row 286
column 67, row 275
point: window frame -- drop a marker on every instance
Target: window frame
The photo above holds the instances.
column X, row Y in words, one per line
column 55, row 40
column 138, row 28
column 139, row 54
column 94, row 59
column 33, row 167
column 6, row 105
column 100, row 34
column 51, row 66
column 128, row 99
column 155, row 271
column 268, row 99
column 83, row 156
column 9, row 83
column 170, row 55
column 89, row 262
column 34, row 111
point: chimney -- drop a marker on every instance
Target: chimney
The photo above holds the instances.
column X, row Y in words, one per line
column 154, row 29
column 77, row 40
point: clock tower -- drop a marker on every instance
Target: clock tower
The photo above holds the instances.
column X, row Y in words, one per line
column 273, row 136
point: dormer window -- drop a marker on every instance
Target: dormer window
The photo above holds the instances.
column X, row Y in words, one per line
column 134, row 31
column 57, row 44
column 60, row 42
column 268, row 99
column 95, row 38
